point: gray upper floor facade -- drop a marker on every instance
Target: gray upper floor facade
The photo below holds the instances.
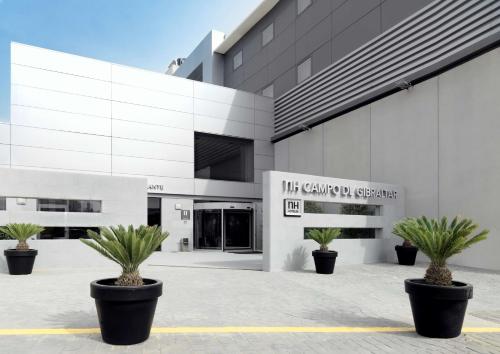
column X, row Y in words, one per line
column 296, row 39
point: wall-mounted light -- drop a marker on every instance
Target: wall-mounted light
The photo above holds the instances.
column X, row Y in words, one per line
column 21, row 201
column 178, row 206
column 404, row 85
column 304, row 127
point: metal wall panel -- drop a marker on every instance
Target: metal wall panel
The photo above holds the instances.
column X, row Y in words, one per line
column 438, row 35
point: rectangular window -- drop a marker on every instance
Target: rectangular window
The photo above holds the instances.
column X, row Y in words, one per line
column 59, row 233
column 223, row 158
column 237, row 60
column 3, row 203
column 72, row 206
column 268, row 34
column 304, row 70
column 311, row 207
column 347, row 233
column 302, row 5
column 268, row 91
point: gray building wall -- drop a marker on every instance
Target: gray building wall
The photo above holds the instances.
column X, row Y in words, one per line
column 439, row 140
column 326, row 31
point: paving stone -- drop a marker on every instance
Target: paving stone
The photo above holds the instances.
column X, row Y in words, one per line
column 358, row 295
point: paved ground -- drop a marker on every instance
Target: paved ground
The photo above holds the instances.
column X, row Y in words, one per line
column 355, row 296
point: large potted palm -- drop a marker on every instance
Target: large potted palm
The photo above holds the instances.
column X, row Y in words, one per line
column 324, row 259
column 126, row 305
column 21, row 259
column 438, row 303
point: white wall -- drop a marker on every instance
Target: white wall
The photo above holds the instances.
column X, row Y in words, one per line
column 73, row 113
column 213, row 63
column 171, row 221
column 283, row 237
column 439, row 140
column 124, row 201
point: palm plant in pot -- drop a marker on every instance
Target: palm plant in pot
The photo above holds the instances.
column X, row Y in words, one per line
column 324, row 259
column 126, row 304
column 438, row 302
column 20, row 260
column 407, row 253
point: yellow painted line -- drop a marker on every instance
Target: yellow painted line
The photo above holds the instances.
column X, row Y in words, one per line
column 278, row 329
column 232, row 329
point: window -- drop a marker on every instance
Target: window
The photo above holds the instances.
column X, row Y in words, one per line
column 302, row 5
column 3, row 203
column 304, row 70
column 268, row 91
column 73, row 206
column 268, row 34
column 223, row 158
column 154, row 211
column 311, row 207
column 347, row 233
column 71, row 233
column 237, row 60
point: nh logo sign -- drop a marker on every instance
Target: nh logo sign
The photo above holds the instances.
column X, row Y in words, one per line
column 292, row 207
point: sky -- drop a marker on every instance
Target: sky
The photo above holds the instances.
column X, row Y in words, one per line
column 142, row 33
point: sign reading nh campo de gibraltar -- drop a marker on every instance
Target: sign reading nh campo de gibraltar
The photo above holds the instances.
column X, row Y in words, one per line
column 338, row 190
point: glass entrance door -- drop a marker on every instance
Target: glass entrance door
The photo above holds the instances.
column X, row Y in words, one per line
column 237, row 229
column 207, row 229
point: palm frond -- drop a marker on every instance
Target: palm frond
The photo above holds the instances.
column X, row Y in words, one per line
column 128, row 247
column 324, row 236
column 438, row 238
column 21, row 232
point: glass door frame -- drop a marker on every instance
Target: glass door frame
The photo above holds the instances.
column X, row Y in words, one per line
column 249, row 206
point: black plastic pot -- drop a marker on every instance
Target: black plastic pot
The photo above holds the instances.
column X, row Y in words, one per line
column 324, row 261
column 125, row 312
column 406, row 254
column 20, row 262
column 438, row 311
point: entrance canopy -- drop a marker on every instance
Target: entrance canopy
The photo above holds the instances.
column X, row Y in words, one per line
column 295, row 203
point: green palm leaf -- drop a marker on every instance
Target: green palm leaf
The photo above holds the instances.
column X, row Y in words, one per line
column 128, row 247
column 439, row 239
column 324, row 236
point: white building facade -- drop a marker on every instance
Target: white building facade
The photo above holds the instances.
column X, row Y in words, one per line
column 79, row 115
column 405, row 96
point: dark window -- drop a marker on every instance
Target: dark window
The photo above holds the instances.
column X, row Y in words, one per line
column 347, row 233
column 3, row 203
column 74, row 206
column 223, row 158
column 51, row 233
column 154, row 211
column 340, row 208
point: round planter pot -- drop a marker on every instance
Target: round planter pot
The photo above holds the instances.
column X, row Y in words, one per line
column 324, row 261
column 125, row 312
column 438, row 311
column 20, row 262
column 406, row 255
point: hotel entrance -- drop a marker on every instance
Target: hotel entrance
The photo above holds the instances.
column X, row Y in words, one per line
column 224, row 226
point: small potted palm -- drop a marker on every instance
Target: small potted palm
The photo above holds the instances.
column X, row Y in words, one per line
column 20, row 260
column 438, row 303
column 126, row 305
column 324, row 260
column 407, row 253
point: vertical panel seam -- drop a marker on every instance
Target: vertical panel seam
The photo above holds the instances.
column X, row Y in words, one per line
column 437, row 147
